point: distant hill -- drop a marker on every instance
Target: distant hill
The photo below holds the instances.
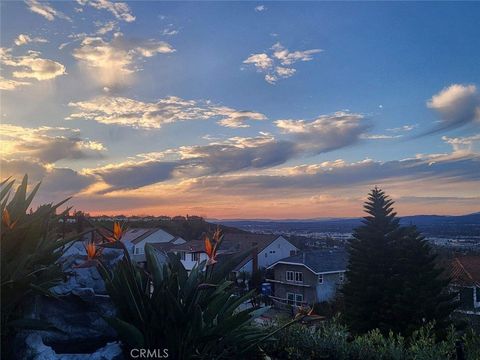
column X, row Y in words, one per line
column 433, row 225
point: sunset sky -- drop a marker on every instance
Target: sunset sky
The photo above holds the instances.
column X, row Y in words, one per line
column 243, row 110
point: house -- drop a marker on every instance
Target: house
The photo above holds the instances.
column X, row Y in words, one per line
column 268, row 248
column 191, row 253
column 135, row 240
column 465, row 274
column 308, row 277
column 264, row 250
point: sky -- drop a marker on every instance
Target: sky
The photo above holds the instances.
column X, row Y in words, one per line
column 242, row 109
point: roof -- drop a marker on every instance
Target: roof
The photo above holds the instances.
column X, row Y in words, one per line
column 142, row 234
column 190, row 246
column 465, row 270
column 318, row 261
column 231, row 243
column 133, row 233
column 246, row 241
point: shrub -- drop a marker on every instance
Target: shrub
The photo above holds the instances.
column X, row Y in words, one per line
column 331, row 340
column 30, row 249
column 194, row 316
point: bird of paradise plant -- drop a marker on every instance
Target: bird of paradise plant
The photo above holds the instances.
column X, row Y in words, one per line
column 7, row 221
column 30, row 249
column 92, row 251
column 212, row 244
column 117, row 233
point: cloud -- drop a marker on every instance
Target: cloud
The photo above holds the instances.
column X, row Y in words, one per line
column 260, row 8
column 277, row 64
column 327, row 132
column 57, row 183
column 120, row 10
column 427, row 170
column 135, row 174
column 169, row 31
column 380, row 136
column 23, row 39
column 9, row 84
column 238, row 154
column 404, row 128
column 457, row 105
column 44, row 9
column 463, row 144
column 112, row 63
column 31, row 65
column 134, row 113
column 46, row 144
column 260, row 61
column 105, row 28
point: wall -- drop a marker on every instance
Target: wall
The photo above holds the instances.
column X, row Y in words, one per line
column 159, row 236
column 315, row 293
column 279, row 249
column 188, row 263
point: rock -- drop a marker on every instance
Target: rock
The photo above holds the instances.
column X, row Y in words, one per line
column 84, row 277
column 35, row 349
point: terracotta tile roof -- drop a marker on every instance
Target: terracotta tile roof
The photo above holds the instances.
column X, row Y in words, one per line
column 465, row 270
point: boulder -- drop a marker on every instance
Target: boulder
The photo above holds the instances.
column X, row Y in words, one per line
column 35, row 349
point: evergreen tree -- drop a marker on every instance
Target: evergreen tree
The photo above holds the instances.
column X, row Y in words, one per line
column 393, row 283
column 423, row 296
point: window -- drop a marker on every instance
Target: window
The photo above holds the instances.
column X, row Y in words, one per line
column 182, row 255
column 266, row 254
column 289, row 276
column 320, row 279
column 298, row 277
column 290, row 298
column 195, row 256
column 135, row 251
column 292, row 252
column 294, row 299
column 298, row 299
column 341, row 277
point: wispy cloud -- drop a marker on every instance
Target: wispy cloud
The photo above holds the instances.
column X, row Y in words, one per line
column 169, row 31
column 46, row 144
column 260, row 8
column 139, row 114
column 24, row 39
column 31, row 65
column 44, row 9
column 327, row 132
column 236, row 154
column 404, row 128
column 10, row 84
column 120, row 10
column 112, row 63
column 278, row 62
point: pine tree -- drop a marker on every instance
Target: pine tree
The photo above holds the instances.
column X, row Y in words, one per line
column 393, row 282
column 423, row 296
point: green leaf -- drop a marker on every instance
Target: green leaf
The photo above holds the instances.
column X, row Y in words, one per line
column 126, row 331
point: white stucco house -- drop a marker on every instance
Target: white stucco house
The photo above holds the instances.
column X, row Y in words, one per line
column 267, row 248
column 135, row 240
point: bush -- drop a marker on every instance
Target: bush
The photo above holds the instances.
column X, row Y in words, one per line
column 332, row 341
column 194, row 316
column 30, row 249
